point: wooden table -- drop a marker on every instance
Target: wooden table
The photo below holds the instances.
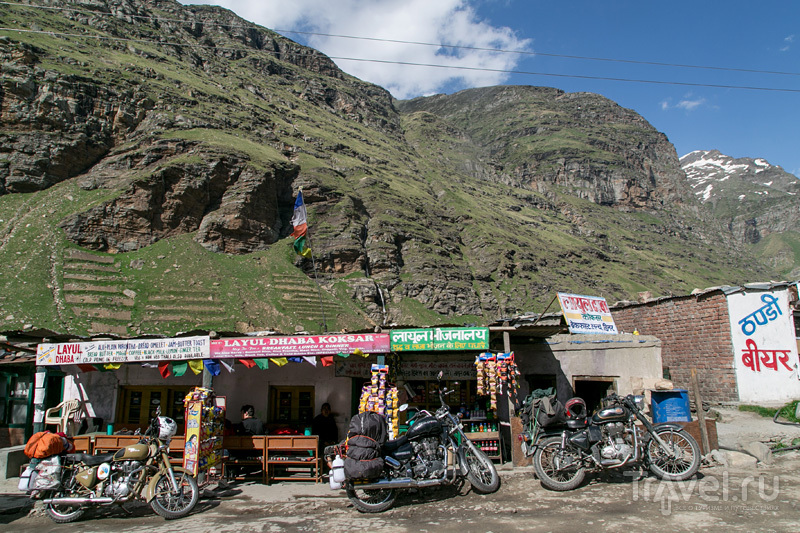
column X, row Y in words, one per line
column 244, row 451
column 293, row 458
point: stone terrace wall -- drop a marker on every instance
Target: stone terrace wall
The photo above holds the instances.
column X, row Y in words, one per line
column 695, row 332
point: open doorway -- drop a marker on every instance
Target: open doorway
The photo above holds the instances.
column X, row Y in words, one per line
column 593, row 389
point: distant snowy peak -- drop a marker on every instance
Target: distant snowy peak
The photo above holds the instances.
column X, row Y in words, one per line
column 713, row 175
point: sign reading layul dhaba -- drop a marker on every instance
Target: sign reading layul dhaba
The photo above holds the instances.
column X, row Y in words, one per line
column 433, row 339
column 123, row 351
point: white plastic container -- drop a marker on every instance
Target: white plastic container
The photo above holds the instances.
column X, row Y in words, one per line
column 337, row 473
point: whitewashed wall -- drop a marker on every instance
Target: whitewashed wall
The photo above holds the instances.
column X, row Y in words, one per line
column 764, row 348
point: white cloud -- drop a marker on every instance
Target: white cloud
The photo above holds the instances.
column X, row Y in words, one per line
column 688, row 103
column 451, row 22
column 788, row 40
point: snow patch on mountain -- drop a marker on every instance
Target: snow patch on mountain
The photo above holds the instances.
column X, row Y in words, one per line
column 713, row 175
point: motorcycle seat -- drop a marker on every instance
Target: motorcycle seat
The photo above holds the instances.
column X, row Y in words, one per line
column 393, row 445
column 577, row 423
column 90, row 460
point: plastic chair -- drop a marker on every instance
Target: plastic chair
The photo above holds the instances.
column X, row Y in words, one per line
column 65, row 420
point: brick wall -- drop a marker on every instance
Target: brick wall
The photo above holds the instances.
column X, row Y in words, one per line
column 694, row 332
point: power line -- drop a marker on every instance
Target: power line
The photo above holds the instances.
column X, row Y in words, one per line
column 525, row 52
column 407, row 63
column 422, row 43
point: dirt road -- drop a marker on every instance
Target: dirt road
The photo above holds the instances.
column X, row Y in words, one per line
column 763, row 499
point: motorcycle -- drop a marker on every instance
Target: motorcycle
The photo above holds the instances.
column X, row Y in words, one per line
column 139, row 471
column 611, row 439
column 434, row 452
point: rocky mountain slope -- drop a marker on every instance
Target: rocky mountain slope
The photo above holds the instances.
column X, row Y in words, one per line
column 759, row 203
column 150, row 153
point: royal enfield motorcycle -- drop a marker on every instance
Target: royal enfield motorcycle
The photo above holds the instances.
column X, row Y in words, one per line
column 434, row 452
column 139, row 471
column 611, row 439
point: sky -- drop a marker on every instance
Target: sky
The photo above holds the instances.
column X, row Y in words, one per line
column 691, row 57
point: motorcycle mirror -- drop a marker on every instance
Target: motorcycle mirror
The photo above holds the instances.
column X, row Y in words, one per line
column 403, row 407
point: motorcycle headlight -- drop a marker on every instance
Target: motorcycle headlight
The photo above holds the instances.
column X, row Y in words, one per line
column 639, row 401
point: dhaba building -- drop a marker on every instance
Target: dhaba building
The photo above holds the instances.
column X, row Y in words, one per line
column 287, row 378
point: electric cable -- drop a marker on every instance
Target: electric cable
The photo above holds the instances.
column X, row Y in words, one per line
column 418, row 43
column 408, row 63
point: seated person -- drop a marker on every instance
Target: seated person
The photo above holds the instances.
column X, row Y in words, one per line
column 250, row 424
column 324, row 425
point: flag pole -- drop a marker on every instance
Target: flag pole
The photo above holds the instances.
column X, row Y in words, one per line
column 314, row 267
column 319, row 290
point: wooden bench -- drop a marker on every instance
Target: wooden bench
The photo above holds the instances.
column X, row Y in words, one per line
column 83, row 444
column 293, row 458
column 243, row 452
column 112, row 443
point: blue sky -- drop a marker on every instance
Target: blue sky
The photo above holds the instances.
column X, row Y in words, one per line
column 727, row 35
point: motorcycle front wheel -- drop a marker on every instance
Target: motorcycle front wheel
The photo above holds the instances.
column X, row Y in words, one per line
column 684, row 459
column 173, row 505
column 371, row 501
column 63, row 514
column 557, row 468
column 482, row 474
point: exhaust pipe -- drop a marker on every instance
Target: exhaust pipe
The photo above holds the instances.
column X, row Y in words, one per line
column 403, row 483
column 77, row 502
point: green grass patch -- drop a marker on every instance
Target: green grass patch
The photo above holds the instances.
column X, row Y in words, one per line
column 787, row 412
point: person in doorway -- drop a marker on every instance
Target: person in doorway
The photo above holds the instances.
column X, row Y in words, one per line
column 250, row 424
column 324, row 425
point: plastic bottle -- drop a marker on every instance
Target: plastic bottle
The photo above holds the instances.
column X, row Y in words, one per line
column 337, row 473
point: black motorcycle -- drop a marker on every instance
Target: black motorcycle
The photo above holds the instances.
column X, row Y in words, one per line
column 434, row 452
column 611, row 439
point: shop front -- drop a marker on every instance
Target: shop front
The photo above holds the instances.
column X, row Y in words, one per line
column 422, row 361
column 285, row 378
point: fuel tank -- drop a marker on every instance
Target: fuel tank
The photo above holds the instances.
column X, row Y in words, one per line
column 617, row 413
column 424, row 427
column 133, row 452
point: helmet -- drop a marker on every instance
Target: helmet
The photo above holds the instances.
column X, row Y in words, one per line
column 576, row 409
column 166, row 428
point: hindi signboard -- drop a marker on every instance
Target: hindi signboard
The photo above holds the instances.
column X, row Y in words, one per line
column 587, row 314
column 299, row 345
column 764, row 345
column 122, row 351
column 434, row 339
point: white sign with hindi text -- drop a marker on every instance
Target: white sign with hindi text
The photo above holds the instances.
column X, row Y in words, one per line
column 764, row 347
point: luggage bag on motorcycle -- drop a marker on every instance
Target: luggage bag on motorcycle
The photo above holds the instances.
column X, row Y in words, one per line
column 542, row 408
column 365, row 437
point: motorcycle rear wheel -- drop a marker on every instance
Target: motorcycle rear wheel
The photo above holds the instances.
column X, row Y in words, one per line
column 171, row 505
column 686, row 460
column 557, row 468
column 63, row 514
column 482, row 473
column 371, row 501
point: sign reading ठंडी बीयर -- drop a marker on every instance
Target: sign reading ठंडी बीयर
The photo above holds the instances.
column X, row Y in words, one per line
column 587, row 314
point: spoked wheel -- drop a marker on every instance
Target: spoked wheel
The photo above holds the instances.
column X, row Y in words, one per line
column 557, row 468
column 683, row 459
column 482, row 473
column 63, row 514
column 170, row 504
column 371, row 501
